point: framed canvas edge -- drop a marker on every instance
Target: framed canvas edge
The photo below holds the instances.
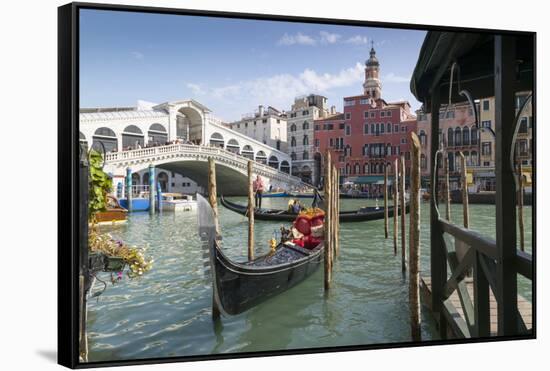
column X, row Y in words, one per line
column 68, row 185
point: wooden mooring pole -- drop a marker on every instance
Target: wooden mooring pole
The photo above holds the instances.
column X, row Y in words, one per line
column 395, row 204
column 212, row 198
column 250, row 211
column 520, row 208
column 335, row 214
column 386, row 227
column 403, row 216
column 414, row 242
column 328, row 220
column 447, row 188
column 464, row 181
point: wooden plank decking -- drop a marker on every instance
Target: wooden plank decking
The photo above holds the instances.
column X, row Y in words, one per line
column 524, row 306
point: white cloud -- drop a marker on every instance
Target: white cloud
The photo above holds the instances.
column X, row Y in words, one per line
column 298, row 38
column 280, row 90
column 329, row 38
column 137, row 55
column 392, row 77
column 196, row 89
column 358, row 40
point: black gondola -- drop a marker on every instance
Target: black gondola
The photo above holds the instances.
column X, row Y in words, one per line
column 238, row 287
column 361, row 215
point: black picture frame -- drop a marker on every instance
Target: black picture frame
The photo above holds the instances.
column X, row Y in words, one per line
column 72, row 212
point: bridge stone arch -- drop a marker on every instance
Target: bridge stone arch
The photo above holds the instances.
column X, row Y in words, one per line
column 233, row 146
column 261, row 157
column 248, row 152
column 190, row 121
column 216, row 140
column 273, row 162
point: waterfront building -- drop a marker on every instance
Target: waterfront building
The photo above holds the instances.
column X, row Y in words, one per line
column 118, row 129
column 300, row 121
column 369, row 135
column 458, row 133
column 268, row 126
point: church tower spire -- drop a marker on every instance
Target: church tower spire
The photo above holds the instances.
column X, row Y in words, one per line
column 372, row 87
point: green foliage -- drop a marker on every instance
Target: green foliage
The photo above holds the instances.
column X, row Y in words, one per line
column 100, row 184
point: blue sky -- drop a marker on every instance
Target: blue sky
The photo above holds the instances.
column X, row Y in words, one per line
column 233, row 65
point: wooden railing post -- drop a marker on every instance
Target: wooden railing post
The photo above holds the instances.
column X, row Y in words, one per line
column 438, row 260
column 520, row 207
column 505, row 65
column 447, row 188
column 464, row 181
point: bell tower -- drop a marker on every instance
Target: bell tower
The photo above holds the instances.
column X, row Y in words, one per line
column 372, row 87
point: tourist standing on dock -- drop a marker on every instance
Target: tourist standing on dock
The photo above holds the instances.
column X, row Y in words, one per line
column 258, row 186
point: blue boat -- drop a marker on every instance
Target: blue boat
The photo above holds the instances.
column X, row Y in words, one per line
column 138, row 204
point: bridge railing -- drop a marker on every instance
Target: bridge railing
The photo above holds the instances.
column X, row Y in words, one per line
column 218, row 152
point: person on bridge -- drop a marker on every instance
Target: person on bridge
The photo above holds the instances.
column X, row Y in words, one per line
column 258, row 187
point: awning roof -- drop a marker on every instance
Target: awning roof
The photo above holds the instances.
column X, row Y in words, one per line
column 474, row 54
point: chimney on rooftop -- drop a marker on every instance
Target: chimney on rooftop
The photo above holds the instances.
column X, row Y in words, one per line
column 261, row 110
column 332, row 110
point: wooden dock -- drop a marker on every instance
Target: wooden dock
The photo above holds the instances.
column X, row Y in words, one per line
column 524, row 306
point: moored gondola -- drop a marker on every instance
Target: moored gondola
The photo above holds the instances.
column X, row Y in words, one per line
column 361, row 215
column 238, row 287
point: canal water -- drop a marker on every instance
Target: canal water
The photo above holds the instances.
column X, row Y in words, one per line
column 167, row 312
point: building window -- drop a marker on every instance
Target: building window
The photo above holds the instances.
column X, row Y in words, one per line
column 305, row 125
column 382, row 128
column 486, row 105
column 396, row 128
column 382, row 113
column 342, row 126
column 389, row 128
column 331, row 142
column 293, row 142
column 473, row 135
column 238, row 126
column 388, row 114
column 364, row 101
column 348, row 115
column 403, row 129
column 403, row 140
column 316, row 142
column 305, row 112
column 450, row 137
column 293, row 114
column 316, row 127
column 372, row 114
column 372, row 131
column 366, row 114
column 306, row 140
column 348, row 130
column 293, row 156
column 365, row 150
column 486, row 124
column 246, row 124
column 523, row 125
column 486, row 148
column 486, row 163
column 293, row 127
column 458, row 137
column 423, row 163
column 450, row 114
column 422, row 137
column 306, row 155
column 465, row 136
column 365, row 128
column 348, row 103
column 366, row 168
